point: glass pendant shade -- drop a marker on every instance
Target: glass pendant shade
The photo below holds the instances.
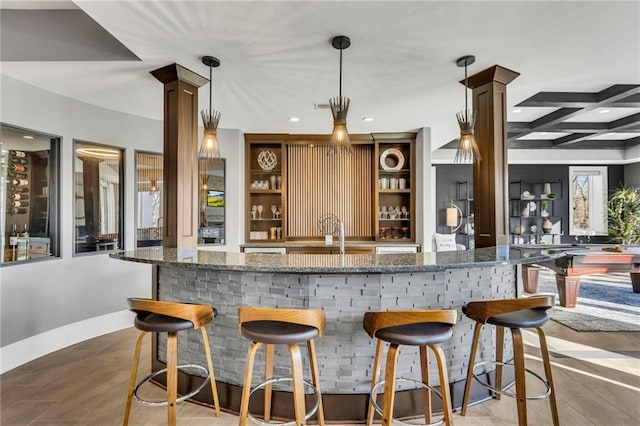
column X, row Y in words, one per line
column 209, row 146
column 340, row 140
column 468, row 150
column 340, row 136
column 210, row 118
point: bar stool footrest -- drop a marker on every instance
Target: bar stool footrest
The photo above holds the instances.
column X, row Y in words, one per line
column 374, row 394
column 278, row 380
column 163, row 403
column 506, row 392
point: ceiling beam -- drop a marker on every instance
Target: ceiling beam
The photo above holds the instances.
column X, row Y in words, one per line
column 608, row 96
column 572, row 104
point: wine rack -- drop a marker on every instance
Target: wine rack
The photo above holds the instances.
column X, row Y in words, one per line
column 18, row 194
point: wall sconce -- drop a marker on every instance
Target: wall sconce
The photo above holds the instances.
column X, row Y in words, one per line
column 453, row 213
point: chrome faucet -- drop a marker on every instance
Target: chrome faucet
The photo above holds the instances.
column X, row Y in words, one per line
column 341, row 236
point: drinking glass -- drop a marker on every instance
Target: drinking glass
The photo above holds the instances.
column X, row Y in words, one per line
column 274, row 208
column 260, row 209
column 253, row 212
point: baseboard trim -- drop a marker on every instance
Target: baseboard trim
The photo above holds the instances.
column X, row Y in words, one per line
column 23, row 351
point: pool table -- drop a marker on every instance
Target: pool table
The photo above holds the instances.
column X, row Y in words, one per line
column 579, row 261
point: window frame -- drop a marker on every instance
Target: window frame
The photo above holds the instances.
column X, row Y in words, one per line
column 53, row 185
column 121, row 190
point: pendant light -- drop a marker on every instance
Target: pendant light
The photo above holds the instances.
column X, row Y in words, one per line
column 468, row 150
column 210, row 118
column 340, row 105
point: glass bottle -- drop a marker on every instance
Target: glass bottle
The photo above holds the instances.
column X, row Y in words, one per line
column 18, row 203
column 16, row 210
column 21, row 154
column 25, row 232
column 17, row 168
column 20, row 182
column 17, row 160
column 19, row 190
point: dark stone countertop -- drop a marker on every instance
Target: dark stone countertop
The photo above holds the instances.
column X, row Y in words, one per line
column 334, row 263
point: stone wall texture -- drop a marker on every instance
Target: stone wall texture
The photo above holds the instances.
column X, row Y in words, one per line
column 345, row 352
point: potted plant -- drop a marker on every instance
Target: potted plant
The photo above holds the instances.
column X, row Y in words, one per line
column 623, row 209
column 544, row 206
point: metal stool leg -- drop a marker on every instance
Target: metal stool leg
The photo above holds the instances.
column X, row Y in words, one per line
column 134, row 374
column 472, row 361
column 444, row 384
column 172, row 377
column 426, row 392
column 246, row 388
column 212, row 376
column 298, row 386
column 499, row 358
column 547, row 371
column 313, row 361
column 389, row 384
column 521, row 389
column 374, row 379
column 268, row 374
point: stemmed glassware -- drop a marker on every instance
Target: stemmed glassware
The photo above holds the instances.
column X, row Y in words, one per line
column 253, row 212
column 279, row 212
column 405, row 213
column 384, row 212
column 274, row 208
column 260, row 209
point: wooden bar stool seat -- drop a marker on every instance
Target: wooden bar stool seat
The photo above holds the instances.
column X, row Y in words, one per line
column 515, row 314
column 153, row 316
column 291, row 327
column 426, row 329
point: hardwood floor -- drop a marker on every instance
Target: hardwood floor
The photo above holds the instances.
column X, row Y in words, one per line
column 597, row 379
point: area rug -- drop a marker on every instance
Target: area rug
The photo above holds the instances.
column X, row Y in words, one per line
column 605, row 303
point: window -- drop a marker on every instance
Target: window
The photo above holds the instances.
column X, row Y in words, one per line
column 28, row 194
column 148, row 199
column 211, row 201
column 588, row 201
column 99, row 182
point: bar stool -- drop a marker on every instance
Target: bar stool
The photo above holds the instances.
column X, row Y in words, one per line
column 426, row 329
column 273, row 326
column 515, row 314
column 169, row 317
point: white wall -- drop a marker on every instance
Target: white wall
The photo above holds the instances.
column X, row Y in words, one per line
column 38, row 298
column 51, row 304
column 425, row 190
column 231, row 143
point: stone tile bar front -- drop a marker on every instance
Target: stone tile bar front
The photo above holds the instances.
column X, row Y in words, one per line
column 345, row 287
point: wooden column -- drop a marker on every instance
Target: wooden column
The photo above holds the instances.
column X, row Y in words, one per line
column 180, row 155
column 490, row 176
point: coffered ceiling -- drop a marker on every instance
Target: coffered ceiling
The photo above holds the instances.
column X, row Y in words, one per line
column 577, row 59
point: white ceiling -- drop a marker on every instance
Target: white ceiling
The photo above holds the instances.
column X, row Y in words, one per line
column 277, row 60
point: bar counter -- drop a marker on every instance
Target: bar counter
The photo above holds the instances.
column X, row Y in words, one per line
column 345, row 286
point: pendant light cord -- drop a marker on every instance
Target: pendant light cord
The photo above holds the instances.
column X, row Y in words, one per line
column 466, row 95
column 211, row 86
column 340, row 89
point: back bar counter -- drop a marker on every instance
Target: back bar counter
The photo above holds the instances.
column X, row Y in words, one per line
column 345, row 286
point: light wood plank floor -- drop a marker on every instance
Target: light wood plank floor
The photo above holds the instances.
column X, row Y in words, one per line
column 597, row 379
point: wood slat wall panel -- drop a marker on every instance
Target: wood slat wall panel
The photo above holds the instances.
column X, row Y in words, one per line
column 338, row 184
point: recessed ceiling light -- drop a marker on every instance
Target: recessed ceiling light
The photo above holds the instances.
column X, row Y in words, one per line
column 28, row 137
column 517, row 111
column 604, row 111
column 294, row 119
column 367, row 118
